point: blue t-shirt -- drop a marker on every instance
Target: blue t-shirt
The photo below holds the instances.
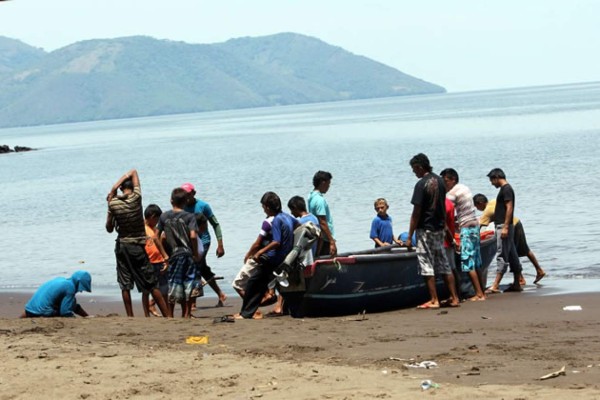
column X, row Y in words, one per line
column 314, row 220
column 282, row 230
column 381, row 228
column 202, row 207
column 55, row 298
column 317, row 205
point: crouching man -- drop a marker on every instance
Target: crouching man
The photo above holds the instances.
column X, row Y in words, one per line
column 56, row 298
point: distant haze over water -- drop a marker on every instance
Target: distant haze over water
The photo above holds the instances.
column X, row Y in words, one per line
column 547, row 140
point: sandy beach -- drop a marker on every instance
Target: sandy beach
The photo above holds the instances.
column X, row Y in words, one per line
column 536, row 344
column 496, row 349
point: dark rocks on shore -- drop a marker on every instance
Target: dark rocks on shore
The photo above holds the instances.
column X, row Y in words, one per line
column 18, row 149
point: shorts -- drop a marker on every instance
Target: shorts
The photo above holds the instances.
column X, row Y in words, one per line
column 451, row 257
column 470, row 249
column 133, row 266
column 162, row 279
column 248, row 270
column 205, row 270
column 521, row 240
column 182, row 278
column 431, row 253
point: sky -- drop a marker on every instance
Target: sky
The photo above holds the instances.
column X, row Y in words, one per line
column 463, row 45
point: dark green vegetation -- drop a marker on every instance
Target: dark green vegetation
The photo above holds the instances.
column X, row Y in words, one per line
column 141, row 76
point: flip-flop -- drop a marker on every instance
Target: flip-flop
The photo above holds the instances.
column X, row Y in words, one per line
column 273, row 314
column 428, row 305
column 539, row 278
column 492, row 291
column 449, row 305
column 224, row 318
column 513, row 288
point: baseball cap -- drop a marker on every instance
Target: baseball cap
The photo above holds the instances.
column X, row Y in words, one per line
column 188, row 187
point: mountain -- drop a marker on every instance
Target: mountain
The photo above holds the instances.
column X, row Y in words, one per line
column 141, row 76
column 15, row 54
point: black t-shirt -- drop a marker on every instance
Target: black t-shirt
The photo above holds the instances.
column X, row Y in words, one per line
column 177, row 227
column 430, row 194
column 505, row 194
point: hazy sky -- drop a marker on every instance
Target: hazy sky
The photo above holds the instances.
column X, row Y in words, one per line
column 459, row 44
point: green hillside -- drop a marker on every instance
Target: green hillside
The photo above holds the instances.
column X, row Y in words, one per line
column 142, row 76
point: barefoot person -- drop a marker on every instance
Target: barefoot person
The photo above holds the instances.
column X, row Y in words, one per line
column 470, row 253
column 158, row 258
column 505, row 231
column 318, row 206
column 198, row 206
column 56, row 298
column 428, row 220
column 269, row 257
column 487, row 216
column 126, row 216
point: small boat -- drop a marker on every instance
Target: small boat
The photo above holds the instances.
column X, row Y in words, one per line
column 374, row 280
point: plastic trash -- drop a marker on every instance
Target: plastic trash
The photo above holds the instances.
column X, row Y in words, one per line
column 572, row 308
column 422, row 364
column 429, row 384
column 197, row 340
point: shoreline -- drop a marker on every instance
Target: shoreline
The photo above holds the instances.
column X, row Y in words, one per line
column 105, row 302
column 498, row 348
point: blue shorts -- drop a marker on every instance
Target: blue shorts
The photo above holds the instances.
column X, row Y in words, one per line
column 470, row 248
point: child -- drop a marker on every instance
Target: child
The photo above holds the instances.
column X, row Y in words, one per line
column 177, row 230
column 381, row 227
column 158, row 258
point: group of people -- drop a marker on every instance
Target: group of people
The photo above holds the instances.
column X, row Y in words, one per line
column 440, row 201
column 164, row 253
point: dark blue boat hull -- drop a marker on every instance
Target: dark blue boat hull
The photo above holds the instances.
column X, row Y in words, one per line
column 371, row 281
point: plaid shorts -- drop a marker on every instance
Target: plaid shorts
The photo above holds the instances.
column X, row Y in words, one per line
column 431, row 253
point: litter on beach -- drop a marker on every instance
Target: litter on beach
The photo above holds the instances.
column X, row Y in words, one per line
column 197, row 340
column 422, row 364
column 560, row 372
column 572, row 308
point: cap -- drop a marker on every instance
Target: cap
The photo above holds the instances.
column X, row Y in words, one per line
column 188, row 187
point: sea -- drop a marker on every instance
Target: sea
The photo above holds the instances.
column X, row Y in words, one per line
column 546, row 139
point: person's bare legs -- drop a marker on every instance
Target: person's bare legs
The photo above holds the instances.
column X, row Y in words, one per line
column 160, row 301
column 145, row 304
column 451, row 284
column 495, row 288
column 434, row 302
column 539, row 272
column 126, row 295
column 222, row 296
column 479, row 295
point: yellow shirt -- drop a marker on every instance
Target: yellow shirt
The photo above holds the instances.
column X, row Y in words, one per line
column 488, row 214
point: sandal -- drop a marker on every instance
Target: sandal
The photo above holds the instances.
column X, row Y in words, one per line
column 224, row 318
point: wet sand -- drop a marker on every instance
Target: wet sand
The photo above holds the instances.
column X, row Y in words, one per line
column 496, row 349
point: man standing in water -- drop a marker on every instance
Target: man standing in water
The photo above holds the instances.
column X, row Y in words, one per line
column 505, row 232
column 126, row 215
column 428, row 220
column 317, row 206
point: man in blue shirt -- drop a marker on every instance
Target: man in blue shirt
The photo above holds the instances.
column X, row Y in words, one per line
column 317, row 205
column 198, row 206
column 56, row 298
column 269, row 257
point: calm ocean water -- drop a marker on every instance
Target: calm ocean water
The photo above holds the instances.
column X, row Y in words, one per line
column 547, row 139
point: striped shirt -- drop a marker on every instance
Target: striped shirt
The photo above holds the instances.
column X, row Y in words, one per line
column 461, row 196
column 128, row 217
